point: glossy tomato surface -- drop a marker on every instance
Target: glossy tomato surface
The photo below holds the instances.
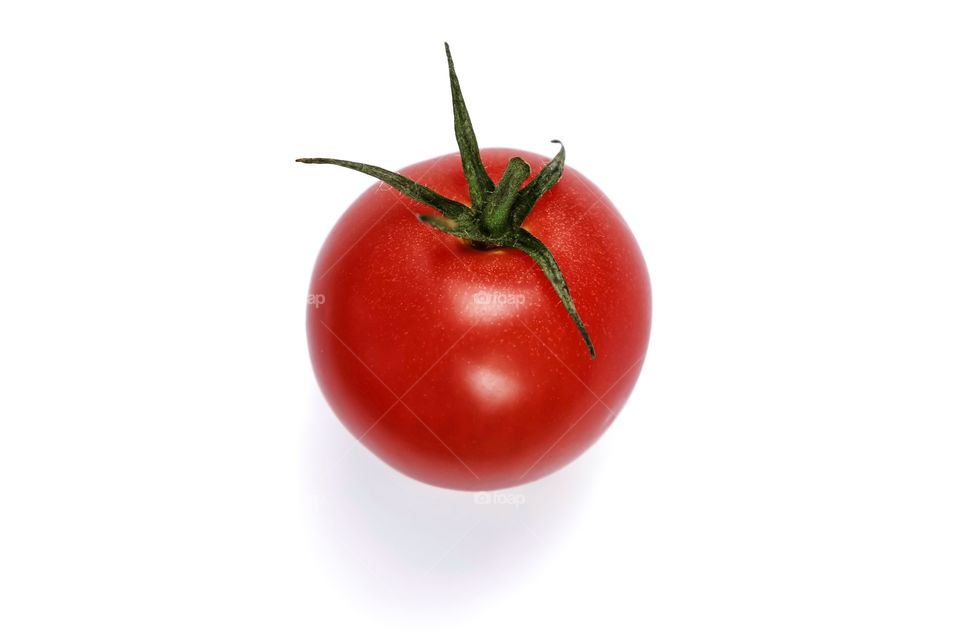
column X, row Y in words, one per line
column 459, row 366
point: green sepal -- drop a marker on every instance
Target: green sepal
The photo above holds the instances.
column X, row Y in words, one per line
column 544, row 181
column 441, row 224
column 531, row 245
column 478, row 180
column 403, row 184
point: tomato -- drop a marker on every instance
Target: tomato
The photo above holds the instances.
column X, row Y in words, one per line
column 456, row 361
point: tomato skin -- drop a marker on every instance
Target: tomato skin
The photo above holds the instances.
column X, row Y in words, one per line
column 459, row 366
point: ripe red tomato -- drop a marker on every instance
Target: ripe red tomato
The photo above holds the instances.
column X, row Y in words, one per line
column 452, row 356
column 459, row 366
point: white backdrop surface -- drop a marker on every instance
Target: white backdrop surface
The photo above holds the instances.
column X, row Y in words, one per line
column 787, row 465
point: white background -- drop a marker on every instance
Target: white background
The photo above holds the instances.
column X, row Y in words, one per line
column 786, row 468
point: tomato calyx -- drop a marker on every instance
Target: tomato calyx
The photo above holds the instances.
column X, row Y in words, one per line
column 496, row 211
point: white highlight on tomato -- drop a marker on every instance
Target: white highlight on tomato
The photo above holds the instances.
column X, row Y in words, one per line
column 491, row 385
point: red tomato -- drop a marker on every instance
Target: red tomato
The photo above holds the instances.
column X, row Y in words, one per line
column 460, row 366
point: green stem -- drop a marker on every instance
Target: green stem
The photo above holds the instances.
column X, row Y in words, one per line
column 496, row 212
column 496, row 215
